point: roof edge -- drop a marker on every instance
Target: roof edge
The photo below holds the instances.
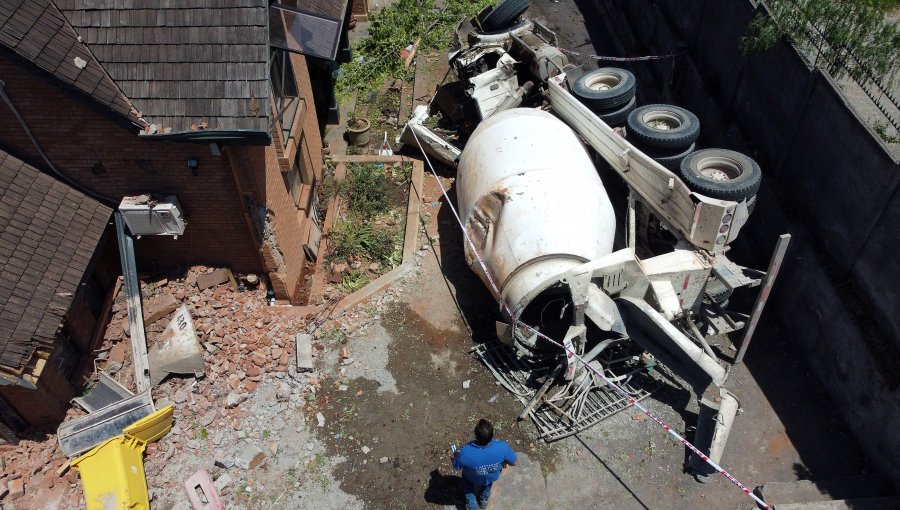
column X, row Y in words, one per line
column 231, row 136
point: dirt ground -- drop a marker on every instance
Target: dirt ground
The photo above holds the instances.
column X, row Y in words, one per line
column 410, row 362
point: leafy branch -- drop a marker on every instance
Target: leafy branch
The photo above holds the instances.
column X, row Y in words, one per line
column 852, row 36
column 377, row 57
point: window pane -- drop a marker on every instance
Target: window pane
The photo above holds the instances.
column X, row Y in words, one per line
column 304, row 33
column 292, row 180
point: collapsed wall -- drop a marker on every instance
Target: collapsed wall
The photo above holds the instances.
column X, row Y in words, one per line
column 829, row 181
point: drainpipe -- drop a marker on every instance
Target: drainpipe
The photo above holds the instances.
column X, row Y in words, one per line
column 67, row 180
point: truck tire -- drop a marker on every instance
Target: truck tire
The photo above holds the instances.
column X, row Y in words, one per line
column 664, row 126
column 669, row 160
column 617, row 117
column 504, row 14
column 605, row 89
column 722, row 174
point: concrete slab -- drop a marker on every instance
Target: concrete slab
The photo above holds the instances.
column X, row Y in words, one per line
column 249, row 457
column 807, row 491
column 845, row 504
column 520, row 483
column 303, row 343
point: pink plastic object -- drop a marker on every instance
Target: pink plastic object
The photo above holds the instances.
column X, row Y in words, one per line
column 201, row 492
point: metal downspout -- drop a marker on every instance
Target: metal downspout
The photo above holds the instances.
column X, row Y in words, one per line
column 133, row 299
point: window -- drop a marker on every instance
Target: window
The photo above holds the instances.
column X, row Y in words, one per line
column 64, row 355
column 284, row 90
column 298, row 176
column 316, row 33
column 293, row 182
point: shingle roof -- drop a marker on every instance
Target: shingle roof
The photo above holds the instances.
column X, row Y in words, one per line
column 48, row 234
column 37, row 31
column 182, row 62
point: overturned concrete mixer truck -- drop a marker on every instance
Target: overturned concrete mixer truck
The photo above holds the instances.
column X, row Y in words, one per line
column 590, row 302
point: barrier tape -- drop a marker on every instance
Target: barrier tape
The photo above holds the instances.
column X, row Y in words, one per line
column 620, row 59
column 631, row 400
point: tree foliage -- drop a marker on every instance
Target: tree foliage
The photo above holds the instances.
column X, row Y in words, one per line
column 850, row 36
column 377, row 57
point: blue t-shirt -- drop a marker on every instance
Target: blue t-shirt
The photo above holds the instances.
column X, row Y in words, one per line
column 481, row 465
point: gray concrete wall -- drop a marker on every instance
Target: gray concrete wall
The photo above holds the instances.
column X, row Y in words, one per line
column 829, row 181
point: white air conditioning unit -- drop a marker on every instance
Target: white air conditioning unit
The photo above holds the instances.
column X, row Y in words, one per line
column 148, row 215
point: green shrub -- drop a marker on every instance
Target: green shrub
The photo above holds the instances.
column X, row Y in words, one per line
column 856, row 36
column 365, row 190
column 392, row 28
column 353, row 281
column 351, row 239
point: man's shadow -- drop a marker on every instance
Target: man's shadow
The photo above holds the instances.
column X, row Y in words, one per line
column 445, row 490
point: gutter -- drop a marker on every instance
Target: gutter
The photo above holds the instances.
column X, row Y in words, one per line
column 231, row 136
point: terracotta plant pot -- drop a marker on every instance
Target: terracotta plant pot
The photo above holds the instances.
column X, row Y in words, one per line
column 358, row 132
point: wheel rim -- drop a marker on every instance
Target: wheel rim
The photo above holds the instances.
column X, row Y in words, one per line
column 720, row 169
column 603, row 81
column 662, row 121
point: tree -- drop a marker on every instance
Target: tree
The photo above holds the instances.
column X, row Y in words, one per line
column 856, row 37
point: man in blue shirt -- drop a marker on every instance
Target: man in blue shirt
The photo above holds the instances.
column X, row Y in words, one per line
column 481, row 462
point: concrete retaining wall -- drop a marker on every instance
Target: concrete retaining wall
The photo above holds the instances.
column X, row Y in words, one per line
column 829, row 180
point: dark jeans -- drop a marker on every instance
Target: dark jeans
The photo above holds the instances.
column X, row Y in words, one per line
column 476, row 494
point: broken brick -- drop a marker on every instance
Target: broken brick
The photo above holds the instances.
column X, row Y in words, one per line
column 16, row 488
column 158, row 307
column 249, row 457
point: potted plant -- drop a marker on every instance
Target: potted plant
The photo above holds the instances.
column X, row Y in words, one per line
column 358, row 130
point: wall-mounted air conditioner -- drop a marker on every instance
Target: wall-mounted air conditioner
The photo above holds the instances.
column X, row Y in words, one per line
column 148, row 215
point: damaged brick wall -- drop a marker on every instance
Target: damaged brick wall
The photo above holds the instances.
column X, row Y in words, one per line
column 46, row 404
column 277, row 224
column 281, row 225
column 103, row 153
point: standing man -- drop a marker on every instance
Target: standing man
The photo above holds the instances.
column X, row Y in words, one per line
column 481, row 462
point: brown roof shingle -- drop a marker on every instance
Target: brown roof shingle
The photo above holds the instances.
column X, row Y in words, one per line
column 38, row 32
column 48, row 234
column 182, row 62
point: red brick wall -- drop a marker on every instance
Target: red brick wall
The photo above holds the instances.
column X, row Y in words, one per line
column 282, row 224
column 102, row 152
column 309, row 123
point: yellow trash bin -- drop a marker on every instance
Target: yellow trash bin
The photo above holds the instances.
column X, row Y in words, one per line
column 113, row 472
column 113, row 475
column 151, row 427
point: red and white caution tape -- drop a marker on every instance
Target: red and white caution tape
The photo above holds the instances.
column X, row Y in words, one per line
column 619, row 59
column 570, row 351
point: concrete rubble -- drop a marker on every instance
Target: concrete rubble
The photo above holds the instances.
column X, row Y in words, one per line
column 249, row 457
column 230, row 420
